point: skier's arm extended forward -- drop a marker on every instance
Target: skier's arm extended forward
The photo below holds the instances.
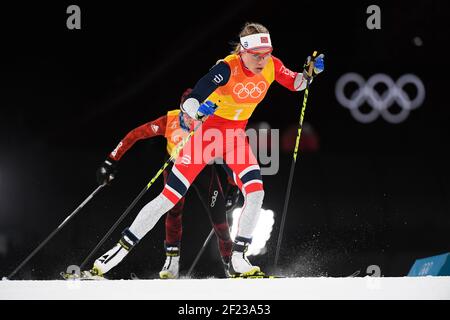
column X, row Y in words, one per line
column 296, row 81
column 148, row 130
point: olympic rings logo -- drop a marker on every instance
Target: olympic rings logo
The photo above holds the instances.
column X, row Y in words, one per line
column 249, row 90
column 380, row 103
column 176, row 138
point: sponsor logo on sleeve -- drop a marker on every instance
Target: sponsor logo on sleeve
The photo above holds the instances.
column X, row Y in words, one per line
column 218, row 78
column 155, row 128
column 116, row 149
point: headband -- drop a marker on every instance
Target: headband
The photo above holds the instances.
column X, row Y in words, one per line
column 256, row 41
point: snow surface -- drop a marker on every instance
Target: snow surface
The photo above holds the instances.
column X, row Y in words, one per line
column 232, row 289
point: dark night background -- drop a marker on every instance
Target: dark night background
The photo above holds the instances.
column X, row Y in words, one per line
column 373, row 194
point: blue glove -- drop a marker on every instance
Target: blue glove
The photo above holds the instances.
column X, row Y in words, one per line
column 319, row 65
column 207, row 108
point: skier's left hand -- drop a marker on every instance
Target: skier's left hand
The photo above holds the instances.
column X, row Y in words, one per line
column 319, row 65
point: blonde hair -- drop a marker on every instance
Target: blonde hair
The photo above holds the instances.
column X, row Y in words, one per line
column 248, row 29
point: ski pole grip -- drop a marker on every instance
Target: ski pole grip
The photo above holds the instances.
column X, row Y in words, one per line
column 311, row 64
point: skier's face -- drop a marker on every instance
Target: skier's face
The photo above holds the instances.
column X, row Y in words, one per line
column 256, row 60
column 188, row 121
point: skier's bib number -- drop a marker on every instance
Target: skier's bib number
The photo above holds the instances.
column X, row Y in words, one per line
column 238, row 113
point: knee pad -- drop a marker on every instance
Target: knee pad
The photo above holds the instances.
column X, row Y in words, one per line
column 251, row 180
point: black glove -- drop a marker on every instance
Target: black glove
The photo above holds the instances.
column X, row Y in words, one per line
column 107, row 171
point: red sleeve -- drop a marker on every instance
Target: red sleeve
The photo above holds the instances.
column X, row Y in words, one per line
column 283, row 75
column 148, row 130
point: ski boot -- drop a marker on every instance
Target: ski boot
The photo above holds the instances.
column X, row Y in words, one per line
column 114, row 256
column 171, row 266
column 240, row 266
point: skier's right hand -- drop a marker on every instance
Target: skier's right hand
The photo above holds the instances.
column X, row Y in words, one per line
column 207, row 108
column 106, row 172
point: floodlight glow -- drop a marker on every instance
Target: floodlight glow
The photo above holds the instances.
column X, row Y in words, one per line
column 260, row 235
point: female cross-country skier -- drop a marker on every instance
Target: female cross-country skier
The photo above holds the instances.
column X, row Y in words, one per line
column 175, row 126
column 224, row 98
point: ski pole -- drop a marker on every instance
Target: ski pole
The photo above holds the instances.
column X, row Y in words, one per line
column 43, row 243
column 294, row 159
column 199, row 254
column 141, row 194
